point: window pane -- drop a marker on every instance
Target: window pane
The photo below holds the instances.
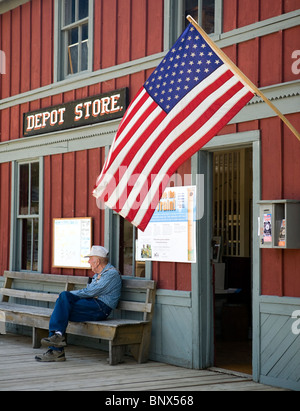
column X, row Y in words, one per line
column 26, row 244
column 73, row 60
column 84, row 56
column 85, row 32
column 208, row 16
column 69, row 11
column 23, row 189
column 73, row 36
column 34, row 207
column 191, row 8
column 127, row 248
column 83, row 9
column 35, row 244
column 73, row 51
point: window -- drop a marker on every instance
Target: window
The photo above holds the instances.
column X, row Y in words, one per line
column 208, row 13
column 28, row 216
column 75, row 43
column 232, row 201
column 203, row 13
column 127, row 263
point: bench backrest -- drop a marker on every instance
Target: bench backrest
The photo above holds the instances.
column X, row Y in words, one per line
column 146, row 287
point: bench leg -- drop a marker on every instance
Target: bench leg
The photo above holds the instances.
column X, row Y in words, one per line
column 2, row 327
column 140, row 351
column 2, row 322
column 116, row 353
column 37, row 335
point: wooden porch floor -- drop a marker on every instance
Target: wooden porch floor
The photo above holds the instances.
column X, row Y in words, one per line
column 87, row 369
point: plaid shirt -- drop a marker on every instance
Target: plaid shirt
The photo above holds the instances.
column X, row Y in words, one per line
column 107, row 289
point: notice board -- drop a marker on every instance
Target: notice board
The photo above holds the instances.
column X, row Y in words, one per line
column 171, row 232
column 72, row 240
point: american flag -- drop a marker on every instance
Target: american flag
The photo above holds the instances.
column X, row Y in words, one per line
column 185, row 102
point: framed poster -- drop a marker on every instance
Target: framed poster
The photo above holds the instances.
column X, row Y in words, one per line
column 171, row 232
column 72, row 240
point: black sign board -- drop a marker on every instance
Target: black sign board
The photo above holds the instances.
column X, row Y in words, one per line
column 91, row 110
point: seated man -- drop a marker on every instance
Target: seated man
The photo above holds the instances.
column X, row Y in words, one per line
column 93, row 303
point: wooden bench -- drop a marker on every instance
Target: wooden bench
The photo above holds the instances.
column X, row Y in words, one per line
column 121, row 333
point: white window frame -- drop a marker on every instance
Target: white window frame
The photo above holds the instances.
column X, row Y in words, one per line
column 15, row 237
column 60, row 44
column 175, row 20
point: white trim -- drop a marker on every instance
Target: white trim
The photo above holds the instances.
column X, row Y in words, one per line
column 83, row 138
column 7, row 5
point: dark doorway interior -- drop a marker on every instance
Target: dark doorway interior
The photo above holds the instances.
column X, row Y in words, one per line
column 232, row 259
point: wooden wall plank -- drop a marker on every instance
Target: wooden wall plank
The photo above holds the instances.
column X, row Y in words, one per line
column 248, row 56
column 26, row 47
column 138, row 29
column 230, row 15
column 97, row 35
column 6, row 48
column 271, row 152
column 47, row 42
column 155, row 26
column 248, row 12
column 16, row 51
column 81, row 183
column 68, row 185
column 109, row 33
column 36, row 38
column 270, row 8
column 270, row 59
column 123, row 31
column 290, row 5
column 5, row 125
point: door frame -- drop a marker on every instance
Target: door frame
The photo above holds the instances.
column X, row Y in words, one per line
column 202, row 285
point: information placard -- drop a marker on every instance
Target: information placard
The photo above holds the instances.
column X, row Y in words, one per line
column 72, row 240
column 171, row 232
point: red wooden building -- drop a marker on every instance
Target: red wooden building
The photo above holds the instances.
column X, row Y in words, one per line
column 55, row 52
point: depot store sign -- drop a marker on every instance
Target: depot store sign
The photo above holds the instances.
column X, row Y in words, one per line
column 96, row 109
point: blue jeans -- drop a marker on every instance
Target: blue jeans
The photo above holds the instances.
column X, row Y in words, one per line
column 70, row 307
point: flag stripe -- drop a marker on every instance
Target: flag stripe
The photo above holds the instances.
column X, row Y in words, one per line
column 165, row 128
column 161, row 141
column 138, row 122
column 145, row 211
column 173, row 136
column 131, row 111
column 182, row 148
column 185, row 102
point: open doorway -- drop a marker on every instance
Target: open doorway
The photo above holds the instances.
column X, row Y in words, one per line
column 232, row 258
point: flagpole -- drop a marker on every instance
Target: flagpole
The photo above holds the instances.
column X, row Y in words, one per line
column 242, row 76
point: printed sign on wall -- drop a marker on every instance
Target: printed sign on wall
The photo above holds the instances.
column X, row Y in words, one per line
column 90, row 110
column 171, row 232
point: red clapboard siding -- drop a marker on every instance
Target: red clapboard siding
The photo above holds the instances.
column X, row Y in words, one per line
column 16, row 50
column 126, row 30
column 68, row 183
column 47, row 42
column 6, row 48
column 25, row 47
column 36, row 40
